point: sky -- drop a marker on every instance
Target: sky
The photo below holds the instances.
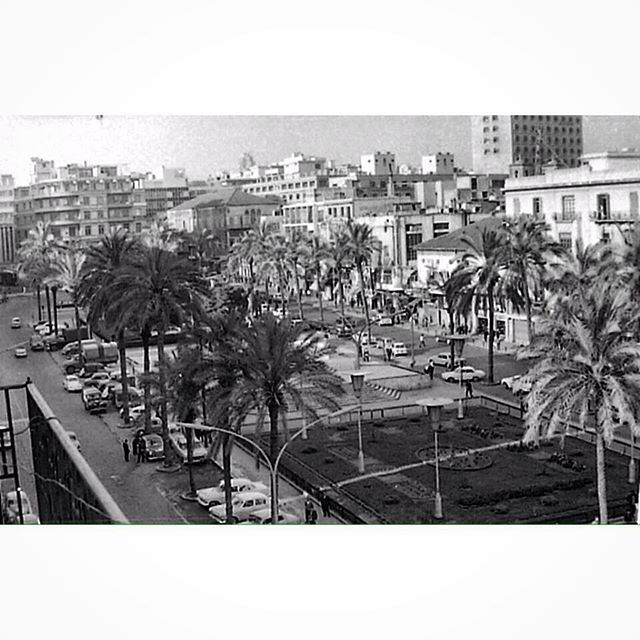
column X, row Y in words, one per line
column 206, row 144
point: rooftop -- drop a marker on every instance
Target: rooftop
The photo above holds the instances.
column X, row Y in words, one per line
column 228, row 196
column 453, row 241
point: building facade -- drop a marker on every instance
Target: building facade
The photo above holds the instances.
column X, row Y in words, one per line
column 499, row 141
column 7, row 230
column 595, row 202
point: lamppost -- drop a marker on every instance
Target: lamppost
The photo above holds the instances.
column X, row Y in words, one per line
column 434, row 411
column 272, row 467
column 357, row 381
column 457, row 347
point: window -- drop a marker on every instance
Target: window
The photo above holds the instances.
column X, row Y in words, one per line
column 72, row 232
column 568, row 207
column 86, row 215
column 603, row 206
column 537, row 205
column 100, row 229
column 606, row 237
column 86, row 200
column 87, row 230
column 565, row 241
column 138, row 227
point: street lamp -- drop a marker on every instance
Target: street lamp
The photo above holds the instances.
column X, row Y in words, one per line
column 272, row 467
column 357, row 381
column 457, row 347
column 434, row 410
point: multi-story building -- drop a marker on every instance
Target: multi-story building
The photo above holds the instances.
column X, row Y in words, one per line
column 7, row 233
column 166, row 193
column 379, row 163
column 500, row 141
column 79, row 202
column 595, row 202
column 228, row 212
column 440, row 163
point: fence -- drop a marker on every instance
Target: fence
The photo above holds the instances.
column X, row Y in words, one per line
column 67, row 489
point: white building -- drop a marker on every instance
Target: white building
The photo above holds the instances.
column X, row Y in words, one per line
column 594, row 202
column 380, row 163
column 7, row 234
column 438, row 163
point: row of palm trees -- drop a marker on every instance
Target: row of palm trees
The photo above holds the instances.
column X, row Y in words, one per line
column 264, row 258
column 585, row 349
column 224, row 370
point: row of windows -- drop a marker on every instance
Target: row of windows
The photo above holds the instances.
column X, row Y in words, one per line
column 603, row 205
column 101, row 229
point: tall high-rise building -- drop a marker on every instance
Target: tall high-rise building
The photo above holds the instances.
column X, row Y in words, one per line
column 530, row 141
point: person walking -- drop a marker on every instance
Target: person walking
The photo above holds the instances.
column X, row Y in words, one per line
column 366, row 355
column 126, row 450
column 324, row 505
column 430, row 370
column 313, row 515
column 136, row 445
column 468, row 389
column 389, row 352
column 308, row 506
column 141, row 451
column 422, row 340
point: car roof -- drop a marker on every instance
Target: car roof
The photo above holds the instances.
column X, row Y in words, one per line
column 248, row 495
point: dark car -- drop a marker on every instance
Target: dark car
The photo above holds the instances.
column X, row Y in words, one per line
column 36, row 343
column 154, row 447
column 343, row 331
column 93, row 400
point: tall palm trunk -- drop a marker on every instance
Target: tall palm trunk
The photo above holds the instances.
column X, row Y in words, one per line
column 227, row 444
column 601, row 476
column 146, row 386
column 48, row 299
column 492, row 312
column 296, row 283
column 452, row 329
column 162, row 376
column 527, row 310
column 364, row 300
column 192, row 484
column 273, row 454
column 39, row 302
column 320, row 292
column 76, row 312
column 54, row 294
column 341, row 292
column 122, row 355
column 281, row 285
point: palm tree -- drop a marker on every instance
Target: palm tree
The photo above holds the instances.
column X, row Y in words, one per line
column 34, row 258
column 161, row 289
column 529, row 249
column 275, row 261
column 281, row 370
column 339, row 257
column 587, row 367
column 361, row 245
column 104, row 263
column 438, row 281
column 297, row 259
column 67, row 273
column 319, row 256
column 478, row 277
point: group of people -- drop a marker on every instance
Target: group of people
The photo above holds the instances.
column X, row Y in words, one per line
column 310, row 511
column 138, row 448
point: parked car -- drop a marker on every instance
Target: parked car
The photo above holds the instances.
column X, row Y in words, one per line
column 136, row 416
column 516, row 384
column 36, row 343
column 154, row 447
column 212, row 496
column 385, row 321
column 12, row 511
column 444, row 360
column 243, row 505
column 72, row 384
column 20, row 352
column 90, row 368
column 179, row 443
column 263, row 516
column 343, row 331
column 93, row 400
column 97, row 379
column 54, row 341
column 468, row 374
column 134, row 394
column 399, row 349
column 74, row 439
column 16, row 323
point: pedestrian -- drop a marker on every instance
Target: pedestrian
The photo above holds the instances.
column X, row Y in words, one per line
column 313, row 515
column 324, row 504
column 389, row 353
column 141, row 450
column 431, row 367
column 422, row 340
column 469, row 389
column 485, row 336
column 308, row 506
column 136, row 445
column 126, row 450
column 366, row 355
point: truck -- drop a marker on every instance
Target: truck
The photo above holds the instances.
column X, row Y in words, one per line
column 92, row 351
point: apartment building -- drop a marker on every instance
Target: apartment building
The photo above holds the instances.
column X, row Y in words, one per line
column 499, row 141
column 162, row 194
column 79, row 202
column 7, row 232
column 597, row 201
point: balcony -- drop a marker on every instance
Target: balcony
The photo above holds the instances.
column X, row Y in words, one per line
column 565, row 217
column 604, row 217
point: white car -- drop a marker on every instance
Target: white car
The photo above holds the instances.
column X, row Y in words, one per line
column 399, row 349
column 243, row 505
column 516, row 384
column 212, row 496
column 385, row 321
column 74, row 439
column 20, row 352
column 444, row 360
column 136, row 414
column 263, row 516
column 16, row 323
column 468, row 374
column 72, row 384
column 179, row 443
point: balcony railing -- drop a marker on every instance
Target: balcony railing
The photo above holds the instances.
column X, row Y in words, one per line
column 613, row 216
column 565, row 216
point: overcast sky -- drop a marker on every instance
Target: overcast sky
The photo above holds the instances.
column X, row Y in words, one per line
column 205, row 144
